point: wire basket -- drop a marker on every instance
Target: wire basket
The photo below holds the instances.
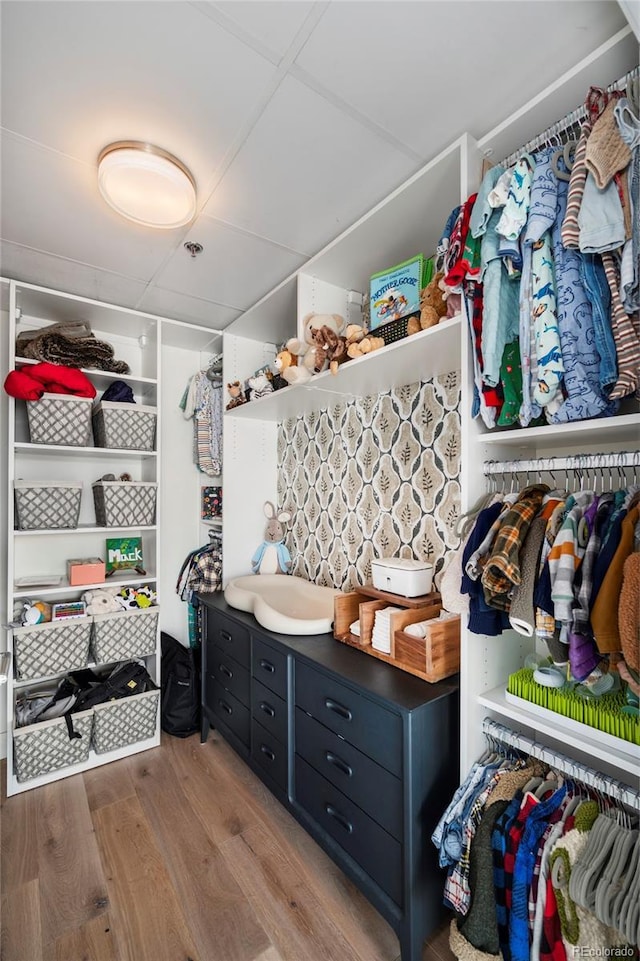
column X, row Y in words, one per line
column 61, row 420
column 125, row 426
column 48, row 505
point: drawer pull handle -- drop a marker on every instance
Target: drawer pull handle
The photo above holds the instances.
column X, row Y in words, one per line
column 268, row 753
column 226, row 636
column 338, row 709
column 225, row 670
column 267, row 666
column 225, row 707
column 339, row 763
column 267, row 709
column 342, row 821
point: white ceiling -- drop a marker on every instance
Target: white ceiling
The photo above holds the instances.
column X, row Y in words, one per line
column 294, row 117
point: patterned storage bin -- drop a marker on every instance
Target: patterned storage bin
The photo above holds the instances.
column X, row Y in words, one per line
column 60, row 419
column 42, row 650
column 47, row 504
column 125, row 503
column 130, row 426
column 119, row 723
column 124, row 636
column 45, row 747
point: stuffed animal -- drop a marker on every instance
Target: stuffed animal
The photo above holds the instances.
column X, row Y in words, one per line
column 305, row 347
column 135, row 598
column 102, row 601
column 284, row 360
column 331, row 348
column 452, row 300
column 259, row 386
column 295, row 372
column 354, row 334
column 432, row 306
column 272, row 557
column 236, row 393
column 365, row 346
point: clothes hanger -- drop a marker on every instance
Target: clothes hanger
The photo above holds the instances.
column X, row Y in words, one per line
column 615, row 873
column 592, row 860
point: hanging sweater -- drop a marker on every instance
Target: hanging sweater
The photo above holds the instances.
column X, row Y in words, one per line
column 603, row 619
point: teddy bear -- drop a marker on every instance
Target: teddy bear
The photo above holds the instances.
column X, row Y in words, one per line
column 330, row 347
column 284, row 360
column 432, row 306
column 293, row 371
column 259, row 386
column 364, row 346
column 305, row 347
column 236, row 393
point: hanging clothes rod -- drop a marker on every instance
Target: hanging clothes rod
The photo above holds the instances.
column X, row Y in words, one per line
column 554, row 133
column 578, row 462
column 561, row 763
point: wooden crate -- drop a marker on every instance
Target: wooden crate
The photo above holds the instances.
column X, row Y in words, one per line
column 362, row 605
column 435, row 656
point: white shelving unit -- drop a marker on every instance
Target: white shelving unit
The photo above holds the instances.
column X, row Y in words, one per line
column 136, row 339
column 406, row 222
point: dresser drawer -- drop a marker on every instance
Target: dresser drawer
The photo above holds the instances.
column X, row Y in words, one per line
column 269, row 710
column 269, row 666
column 269, row 753
column 229, row 674
column 370, row 786
column 229, row 709
column 228, row 636
column 370, row 845
column 367, row 725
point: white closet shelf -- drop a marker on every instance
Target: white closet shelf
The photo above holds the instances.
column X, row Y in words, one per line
column 623, row 429
column 64, row 588
column 85, row 529
column 102, row 377
column 597, row 744
column 27, row 448
column 419, row 357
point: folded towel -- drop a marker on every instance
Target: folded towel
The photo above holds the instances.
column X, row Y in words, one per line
column 355, row 628
column 417, row 630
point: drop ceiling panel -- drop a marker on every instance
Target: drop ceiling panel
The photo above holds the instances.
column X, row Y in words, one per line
column 427, row 72
column 306, row 172
column 52, row 203
column 168, row 303
column 235, row 268
column 47, row 270
column 77, row 76
column 273, row 24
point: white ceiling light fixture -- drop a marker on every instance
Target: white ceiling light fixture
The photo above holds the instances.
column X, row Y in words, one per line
column 146, row 184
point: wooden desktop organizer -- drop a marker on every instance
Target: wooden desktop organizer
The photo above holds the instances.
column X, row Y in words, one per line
column 432, row 658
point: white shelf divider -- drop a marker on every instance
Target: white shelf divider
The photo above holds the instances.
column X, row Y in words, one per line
column 54, row 449
column 84, row 529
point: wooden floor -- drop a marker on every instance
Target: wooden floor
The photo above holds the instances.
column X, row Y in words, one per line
column 177, row 854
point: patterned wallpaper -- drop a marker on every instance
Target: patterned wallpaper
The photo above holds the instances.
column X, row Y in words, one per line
column 372, row 477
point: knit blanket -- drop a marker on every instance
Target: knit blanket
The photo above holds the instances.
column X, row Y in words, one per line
column 61, row 344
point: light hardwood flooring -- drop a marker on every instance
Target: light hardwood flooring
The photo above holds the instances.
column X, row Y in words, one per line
column 177, row 854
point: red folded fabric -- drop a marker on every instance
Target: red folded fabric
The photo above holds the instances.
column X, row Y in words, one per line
column 30, row 383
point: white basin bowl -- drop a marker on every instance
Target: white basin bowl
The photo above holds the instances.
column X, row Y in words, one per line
column 283, row 603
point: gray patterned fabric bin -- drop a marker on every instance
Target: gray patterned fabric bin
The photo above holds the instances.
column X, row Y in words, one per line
column 119, row 723
column 124, row 636
column 52, row 648
column 50, row 505
column 125, row 503
column 60, row 419
column 130, row 426
column 41, row 748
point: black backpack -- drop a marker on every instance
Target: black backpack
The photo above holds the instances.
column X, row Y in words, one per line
column 180, row 699
column 85, row 688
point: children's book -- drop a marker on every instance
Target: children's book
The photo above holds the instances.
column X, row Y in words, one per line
column 395, row 293
column 124, row 553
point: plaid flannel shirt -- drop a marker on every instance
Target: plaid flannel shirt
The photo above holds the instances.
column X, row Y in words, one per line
column 502, row 571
